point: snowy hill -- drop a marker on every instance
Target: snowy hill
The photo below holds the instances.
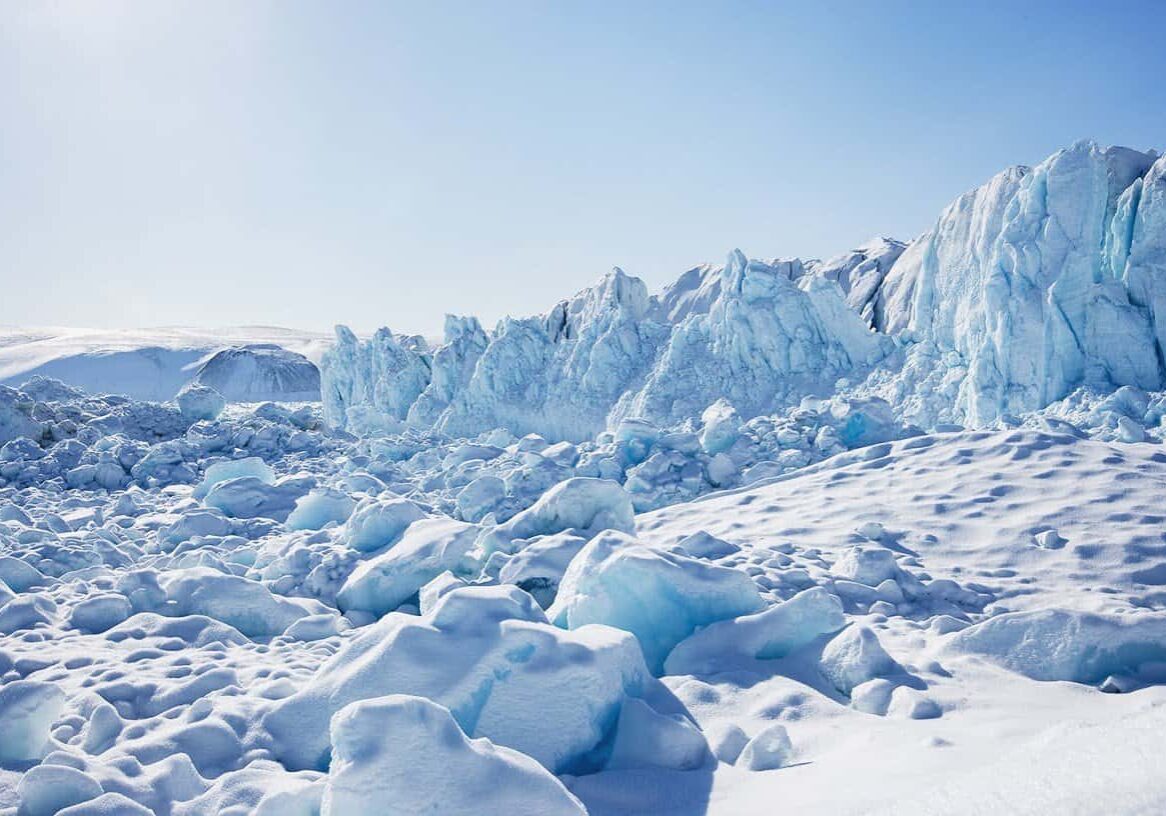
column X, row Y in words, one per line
column 148, row 364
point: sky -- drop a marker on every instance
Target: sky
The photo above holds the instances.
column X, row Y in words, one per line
column 303, row 164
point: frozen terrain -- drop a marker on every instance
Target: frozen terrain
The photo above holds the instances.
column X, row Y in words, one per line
column 881, row 533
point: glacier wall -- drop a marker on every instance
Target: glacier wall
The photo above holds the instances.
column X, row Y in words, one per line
column 762, row 334
column 1040, row 281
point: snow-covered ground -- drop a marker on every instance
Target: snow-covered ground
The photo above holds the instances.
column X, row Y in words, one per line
column 876, row 534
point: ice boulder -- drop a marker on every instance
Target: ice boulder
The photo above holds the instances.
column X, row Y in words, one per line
column 660, row 597
column 722, row 426
column 28, row 709
column 16, row 415
column 539, row 567
column 644, row 738
column 200, row 402
column 377, row 523
column 704, row 545
column 426, row 549
column 581, row 503
column 20, row 576
column 403, row 755
column 855, row 657
column 490, row 657
column 867, row 565
column 233, row 469
column 246, row 605
column 776, row 632
column 97, row 613
column 320, row 507
column 49, row 789
column 480, row 497
column 1056, row 644
column 248, row 497
column 768, row 750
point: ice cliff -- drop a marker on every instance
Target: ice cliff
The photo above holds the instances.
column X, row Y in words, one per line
column 1039, row 282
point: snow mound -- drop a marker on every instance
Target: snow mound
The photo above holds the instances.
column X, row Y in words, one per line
column 404, row 755
column 1056, row 644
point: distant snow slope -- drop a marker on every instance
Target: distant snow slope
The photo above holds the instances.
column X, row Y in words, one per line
column 141, row 363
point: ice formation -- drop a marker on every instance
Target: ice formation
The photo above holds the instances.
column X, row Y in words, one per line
column 849, row 535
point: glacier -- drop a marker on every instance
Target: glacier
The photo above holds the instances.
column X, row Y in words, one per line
column 862, row 534
column 1038, row 283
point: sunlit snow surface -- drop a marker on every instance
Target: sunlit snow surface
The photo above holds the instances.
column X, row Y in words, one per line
column 719, row 550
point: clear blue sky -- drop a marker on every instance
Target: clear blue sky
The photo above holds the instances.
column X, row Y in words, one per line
column 307, row 163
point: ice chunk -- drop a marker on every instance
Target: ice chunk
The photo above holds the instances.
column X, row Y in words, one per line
column 48, row 789
column 913, row 704
column 377, row 523
column 727, row 741
column 488, row 655
column 769, row 749
column 539, row 567
column 26, row 612
column 480, row 497
column 97, row 613
column 316, row 627
column 261, row 371
column 20, row 576
column 200, row 402
column 234, row 469
column 703, row 545
column 867, row 565
column 28, row 709
column 873, row 696
column 320, row 507
column 248, row 497
column 776, row 632
column 1056, row 644
column 426, row 549
column 402, row 755
column 240, row 602
column 582, row 503
column 660, row 597
column 647, row 739
column 721, row 427
column 854, row 657
column 16, row 418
